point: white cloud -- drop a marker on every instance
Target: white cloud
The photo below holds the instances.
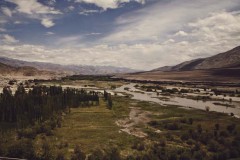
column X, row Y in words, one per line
column 47, row 23
column 51, row 2
column 71, row 8
column 49, row 33
column 36, row 10
column 3, row 30
column 156, row 22
column 33, row 7
column 8, row 39
column 105, row 4
column 69, row 40
column 181, row 33
column 17, row 22
column 89, row 12
column 2, row 21
column 6, row 11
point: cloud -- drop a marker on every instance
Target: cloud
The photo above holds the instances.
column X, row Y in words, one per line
column 33, row 7
column 47, row 23
column 105, row 4
column 181, row 33
column 89, row 12
column 36, row 10
column 49, row 33
column 6, row 11
column 156, row 22
column 3, row 30
column 71, row 8
column 69, row 40
column 8, row 39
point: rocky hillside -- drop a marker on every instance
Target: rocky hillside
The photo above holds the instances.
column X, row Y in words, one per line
column 229, row 59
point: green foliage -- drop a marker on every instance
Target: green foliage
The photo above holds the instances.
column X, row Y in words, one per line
column 40, row 104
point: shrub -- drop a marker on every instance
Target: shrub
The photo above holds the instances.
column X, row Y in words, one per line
column 217, row 126
column 231, row 128
column 185, row 156
column 138, row 146
column 185, row 136
column 172, row 126
column 27, row 133
column 223, row 134
column 199, row 128
column 96, row 155
column 190, row 120
column 213, row 146
column 46, row 151
column 60, row 156
column 21, row 149
column 113, row 154
column 78, row 154
column 199, row 155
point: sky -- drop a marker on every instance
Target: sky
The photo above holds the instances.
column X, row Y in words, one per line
column 138, row 34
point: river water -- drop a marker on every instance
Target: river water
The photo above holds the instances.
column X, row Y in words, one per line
column 174, row 100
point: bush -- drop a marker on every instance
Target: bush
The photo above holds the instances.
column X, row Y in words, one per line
column 138, row 146
column 217, row 126
column 172, row 126
column 60, row 156
column 213, row 146
column 199, row 155
column 184, row 91
column 185, row 136
column 21, row 149
column 27, row 133
column 231, row 128
column 185, row 156
column 190, row 120
column 223, row 134
column 199, row 128
column 113, row 154
column 96, row 155
column 47, row 151
column 78, row 154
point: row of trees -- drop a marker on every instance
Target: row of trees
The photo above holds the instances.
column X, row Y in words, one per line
column 108, row 98
column 40, row 103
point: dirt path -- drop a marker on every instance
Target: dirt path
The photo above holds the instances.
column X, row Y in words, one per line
column 136, row 117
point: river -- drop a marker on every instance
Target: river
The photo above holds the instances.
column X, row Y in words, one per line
column 175, row 100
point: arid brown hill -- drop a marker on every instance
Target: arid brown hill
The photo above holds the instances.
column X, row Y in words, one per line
column 227, row 59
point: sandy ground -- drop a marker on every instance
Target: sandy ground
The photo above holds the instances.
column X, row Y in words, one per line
column 136, row 117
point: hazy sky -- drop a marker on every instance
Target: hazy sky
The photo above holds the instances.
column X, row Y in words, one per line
column 139, row 34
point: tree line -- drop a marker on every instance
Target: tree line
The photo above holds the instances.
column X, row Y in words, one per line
column 41, row 103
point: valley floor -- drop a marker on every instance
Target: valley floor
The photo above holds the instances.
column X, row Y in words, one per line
column 133, row 129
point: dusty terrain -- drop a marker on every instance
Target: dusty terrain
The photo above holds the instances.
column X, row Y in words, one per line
column 136, row 117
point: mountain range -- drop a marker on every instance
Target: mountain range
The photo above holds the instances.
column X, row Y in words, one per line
column 66, row 69
column 224, row 67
